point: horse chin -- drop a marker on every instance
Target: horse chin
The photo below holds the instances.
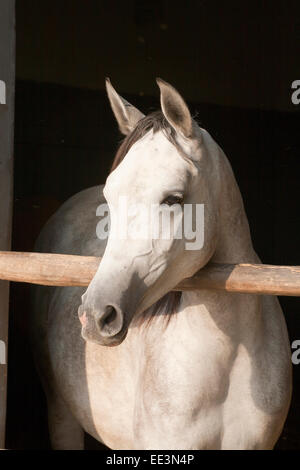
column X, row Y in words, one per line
column 102, row 341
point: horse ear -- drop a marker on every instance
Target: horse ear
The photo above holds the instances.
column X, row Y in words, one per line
column 127, row 116
column 175, row 109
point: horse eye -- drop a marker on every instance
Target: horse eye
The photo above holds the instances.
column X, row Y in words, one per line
column 171, row 200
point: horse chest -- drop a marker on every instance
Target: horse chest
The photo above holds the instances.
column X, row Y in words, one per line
column 131, row 401
column 146, row 393
column 205, row 404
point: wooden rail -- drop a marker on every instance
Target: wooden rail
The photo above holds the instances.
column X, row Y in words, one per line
column 69, row 270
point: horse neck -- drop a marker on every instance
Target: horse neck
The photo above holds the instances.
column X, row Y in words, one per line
column 234, row 239
column 234, row 245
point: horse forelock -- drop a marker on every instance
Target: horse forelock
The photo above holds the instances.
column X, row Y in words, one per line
column 155, row 121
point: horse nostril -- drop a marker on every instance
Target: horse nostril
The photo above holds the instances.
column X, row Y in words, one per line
column 110, row 315
column 111, row 321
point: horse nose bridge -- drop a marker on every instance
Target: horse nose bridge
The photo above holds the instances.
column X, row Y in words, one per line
column 107, row 288
column 114, row 276
column 117, row 282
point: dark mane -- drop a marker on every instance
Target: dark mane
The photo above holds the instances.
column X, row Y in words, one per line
column 155, row 121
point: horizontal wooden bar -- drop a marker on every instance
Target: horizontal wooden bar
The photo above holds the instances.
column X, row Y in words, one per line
column 48, row 269
column 69, row 270
column 246, row 278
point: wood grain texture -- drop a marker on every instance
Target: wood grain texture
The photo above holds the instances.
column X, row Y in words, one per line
column 69, row 270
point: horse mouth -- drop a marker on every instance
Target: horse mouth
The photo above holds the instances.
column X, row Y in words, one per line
column 90, row 335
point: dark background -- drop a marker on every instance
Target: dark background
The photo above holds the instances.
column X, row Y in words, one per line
column 233, row 61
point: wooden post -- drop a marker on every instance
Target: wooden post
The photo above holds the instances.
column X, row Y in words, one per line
column 7, row 84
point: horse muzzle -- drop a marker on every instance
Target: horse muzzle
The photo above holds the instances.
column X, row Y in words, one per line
column 104, row 326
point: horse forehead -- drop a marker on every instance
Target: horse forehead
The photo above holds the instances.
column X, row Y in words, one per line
column 153, row 156
column 152, row 146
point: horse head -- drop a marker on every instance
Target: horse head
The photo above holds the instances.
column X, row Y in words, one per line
column 166, row 170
